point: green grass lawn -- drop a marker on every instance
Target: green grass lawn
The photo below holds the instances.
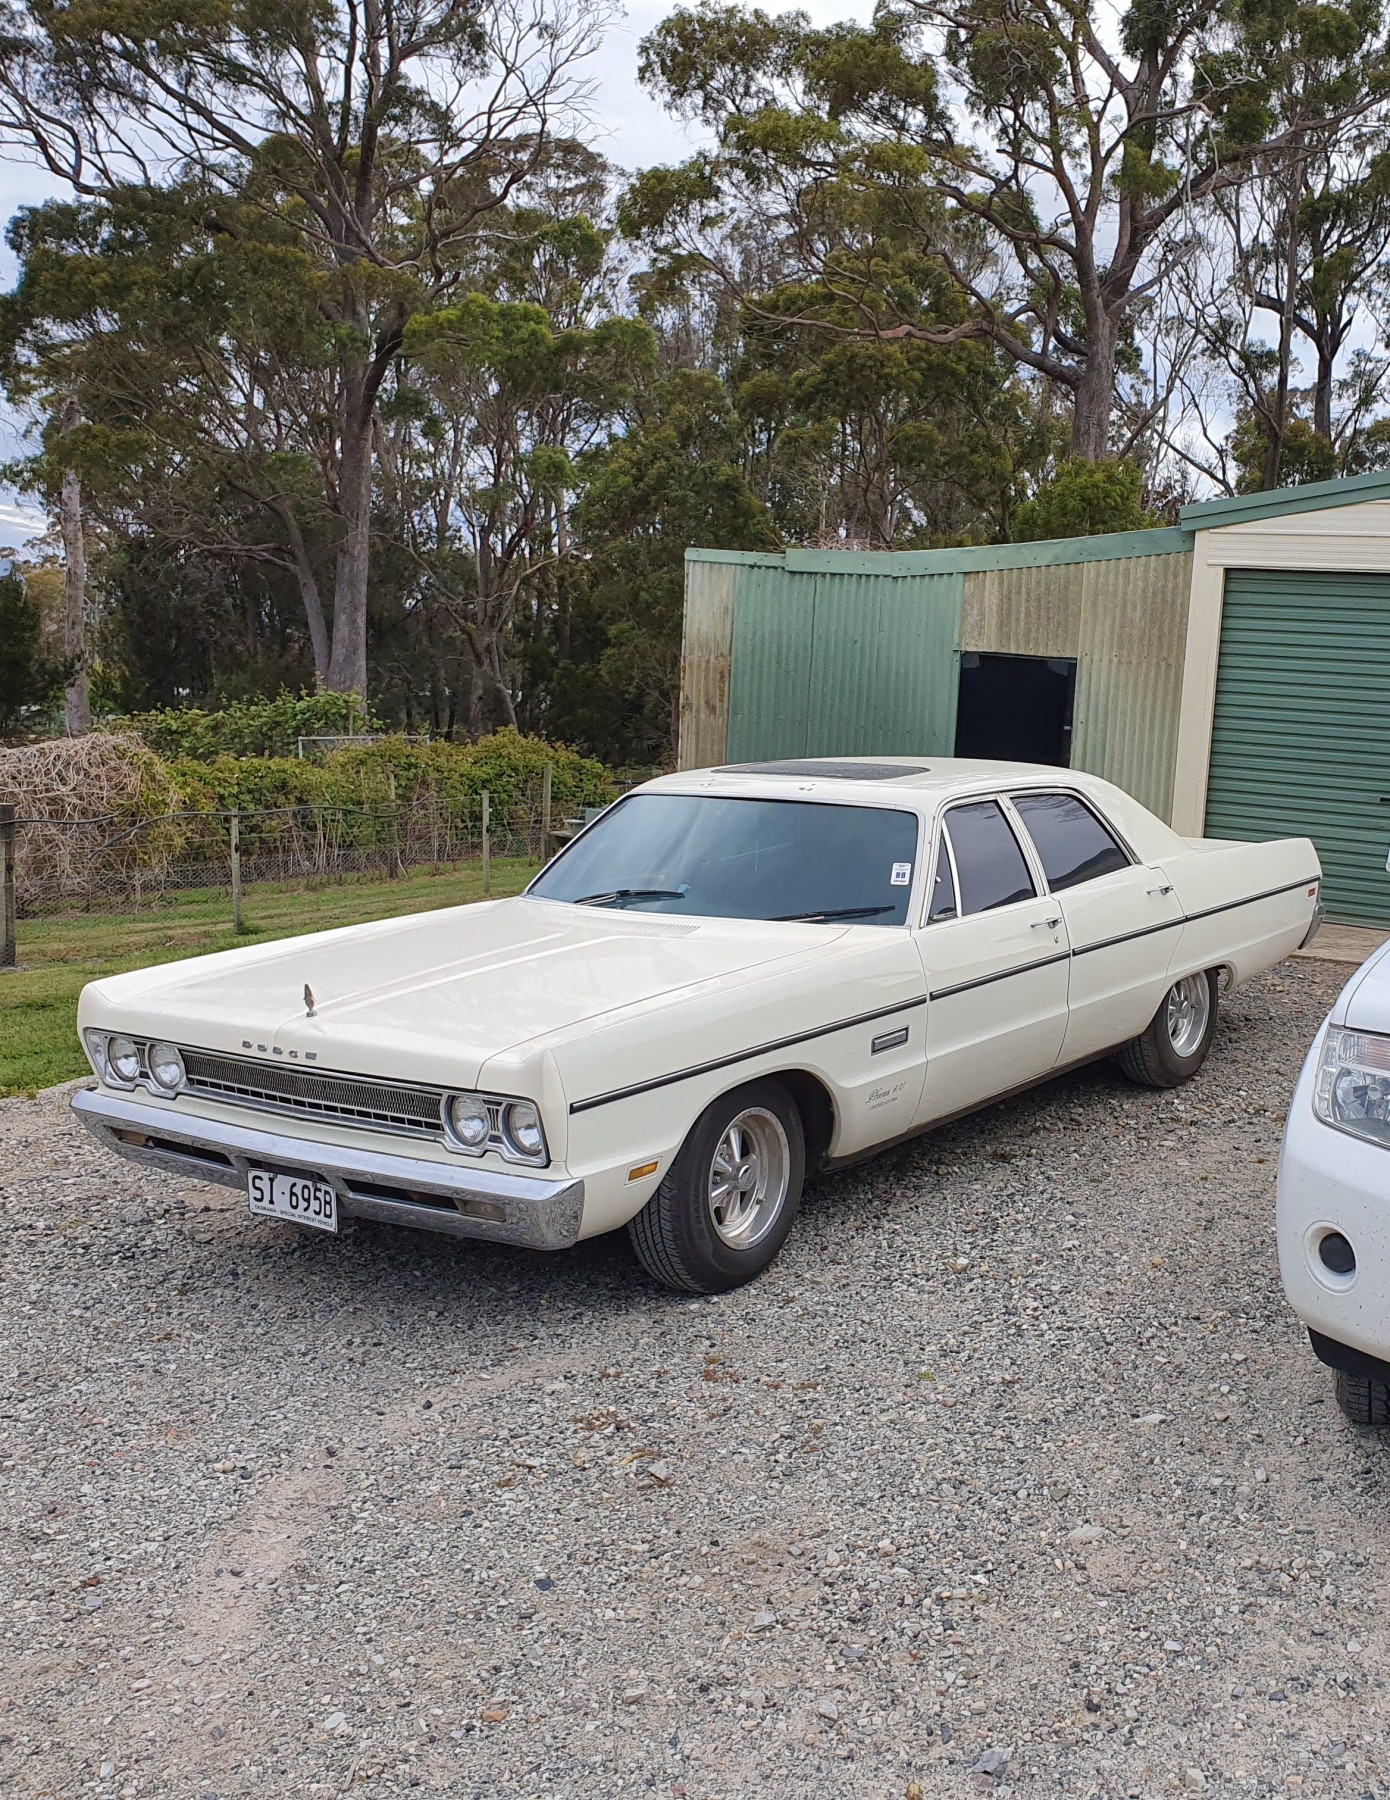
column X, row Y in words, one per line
column 38, row 1001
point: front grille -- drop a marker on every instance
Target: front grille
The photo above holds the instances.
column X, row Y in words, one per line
column 315, row 1094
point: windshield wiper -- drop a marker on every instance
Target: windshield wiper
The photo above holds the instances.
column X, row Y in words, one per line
column 840, row 912
column 615, row 894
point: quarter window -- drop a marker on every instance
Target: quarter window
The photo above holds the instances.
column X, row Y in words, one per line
column 943, row 893
column 1072, row 843
column 991, row 867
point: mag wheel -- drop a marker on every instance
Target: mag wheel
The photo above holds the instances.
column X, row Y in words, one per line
column 729, row 1199
column 1175, row 1044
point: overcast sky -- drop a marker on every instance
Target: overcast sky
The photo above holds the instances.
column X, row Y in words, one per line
column 634, row 132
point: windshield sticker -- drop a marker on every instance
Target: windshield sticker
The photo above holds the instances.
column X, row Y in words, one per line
column 902, row 875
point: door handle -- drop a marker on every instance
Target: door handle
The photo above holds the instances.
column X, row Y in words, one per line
column 1047, row 924
column 1161, row 890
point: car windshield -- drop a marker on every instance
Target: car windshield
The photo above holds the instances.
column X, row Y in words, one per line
column 698, row 854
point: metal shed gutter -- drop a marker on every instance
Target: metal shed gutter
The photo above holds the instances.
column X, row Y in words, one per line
column 1167, row 540
column 1315, row 496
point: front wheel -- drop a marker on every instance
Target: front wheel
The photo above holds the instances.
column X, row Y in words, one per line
column 1364, row 1400
column 1175, row 1044
column 729, row 1199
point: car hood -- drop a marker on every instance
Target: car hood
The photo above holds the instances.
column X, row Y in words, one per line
column 435, row 995
column 1364, row 1003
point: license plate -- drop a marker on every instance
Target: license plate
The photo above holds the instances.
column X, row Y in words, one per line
column 302, row 1199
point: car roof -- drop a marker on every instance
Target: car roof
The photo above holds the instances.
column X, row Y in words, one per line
column 845, row 777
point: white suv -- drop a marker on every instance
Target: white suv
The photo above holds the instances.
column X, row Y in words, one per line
column 1334, row 1194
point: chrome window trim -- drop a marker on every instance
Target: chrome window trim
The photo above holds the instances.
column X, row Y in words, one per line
column 1025, row 850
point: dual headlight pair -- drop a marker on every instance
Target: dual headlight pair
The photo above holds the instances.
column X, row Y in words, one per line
column 1352, row 1091
column 124, row 1062
column 478, row 1122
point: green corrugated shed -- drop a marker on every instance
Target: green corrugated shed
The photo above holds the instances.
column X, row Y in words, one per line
column 832, row 652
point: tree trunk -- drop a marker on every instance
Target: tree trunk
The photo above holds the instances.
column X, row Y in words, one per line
column 1279, row 423
column 1323, row 386
column 1094, row 394
column 308, row 593
column 347, row 666
column 77, row 703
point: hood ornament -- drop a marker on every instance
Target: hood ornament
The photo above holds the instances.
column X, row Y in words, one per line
column 308, row 1001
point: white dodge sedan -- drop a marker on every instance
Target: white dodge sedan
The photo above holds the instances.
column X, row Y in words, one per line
column 732, row 977
column 1334, row 1194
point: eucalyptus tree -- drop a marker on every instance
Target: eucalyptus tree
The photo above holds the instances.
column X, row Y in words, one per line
column 370, row 141
column 1049, row 163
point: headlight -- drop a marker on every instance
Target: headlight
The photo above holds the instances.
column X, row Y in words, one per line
column 166, row 1068
column 123, row 1059
column 1353, row 1085
column 523, row 1126
column 468, row 1120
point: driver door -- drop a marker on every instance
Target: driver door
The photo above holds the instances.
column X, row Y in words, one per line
column 996, row 956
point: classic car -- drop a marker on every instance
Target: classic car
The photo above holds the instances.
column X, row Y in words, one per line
column 730, row 978
column 1334, row 1194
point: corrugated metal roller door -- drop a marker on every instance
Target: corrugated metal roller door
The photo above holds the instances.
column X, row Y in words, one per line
column 1301, row 734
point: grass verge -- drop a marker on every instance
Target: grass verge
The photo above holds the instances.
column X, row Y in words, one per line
column 38, row 1001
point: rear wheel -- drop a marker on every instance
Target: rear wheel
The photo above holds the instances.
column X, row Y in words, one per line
column 1364, row 1400
column 1175, row 1044
column 728, row 1202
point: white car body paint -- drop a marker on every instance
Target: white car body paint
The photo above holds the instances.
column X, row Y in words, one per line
column 1332, row 1181
column 623, row 1026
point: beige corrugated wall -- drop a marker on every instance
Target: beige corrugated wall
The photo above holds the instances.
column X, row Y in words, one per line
column 1023, row 612
column 1129, row 673
column 706, row 654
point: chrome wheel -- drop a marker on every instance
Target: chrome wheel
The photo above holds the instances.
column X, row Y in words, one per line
column 1189, row 1008
column 748, row 1178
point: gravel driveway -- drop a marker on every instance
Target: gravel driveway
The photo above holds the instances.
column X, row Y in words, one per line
column 1013, row 1473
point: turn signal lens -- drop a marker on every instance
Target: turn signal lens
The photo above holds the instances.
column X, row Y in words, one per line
column 524, row 1128
column 468, row 1120
column 123, row 1058
column 96, row 1051
column 166, row 1068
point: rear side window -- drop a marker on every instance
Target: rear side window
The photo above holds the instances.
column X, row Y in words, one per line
column 1072, row 843
column 991, row 867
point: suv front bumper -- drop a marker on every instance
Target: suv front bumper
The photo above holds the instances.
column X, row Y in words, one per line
column 467, row 1201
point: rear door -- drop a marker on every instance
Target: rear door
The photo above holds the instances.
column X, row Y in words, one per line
column 1122, row 916
column 994, row 949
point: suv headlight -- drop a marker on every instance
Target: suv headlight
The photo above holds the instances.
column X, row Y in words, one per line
column 1352, row 1092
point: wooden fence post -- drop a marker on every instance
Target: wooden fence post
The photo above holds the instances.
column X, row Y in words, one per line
column 397, row 867
column 8, row 844
column 546, row 779
column 236, row 873
column 487, row 847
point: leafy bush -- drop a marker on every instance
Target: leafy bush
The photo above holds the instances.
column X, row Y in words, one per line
column 250, row 727
column 1085, row 499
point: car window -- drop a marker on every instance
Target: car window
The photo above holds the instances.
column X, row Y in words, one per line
column 989, row 863
column 943, row 892
column 1072, row 843
column 725, row 857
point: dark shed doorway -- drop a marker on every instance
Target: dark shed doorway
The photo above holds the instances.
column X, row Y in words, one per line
column 1016, row 708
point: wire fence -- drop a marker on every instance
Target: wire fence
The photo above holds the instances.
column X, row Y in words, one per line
column 61, row 866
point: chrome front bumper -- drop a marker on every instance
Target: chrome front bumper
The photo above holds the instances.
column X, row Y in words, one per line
column 399, row 1190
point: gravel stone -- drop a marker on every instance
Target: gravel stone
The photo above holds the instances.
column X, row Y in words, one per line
column 219, row 1428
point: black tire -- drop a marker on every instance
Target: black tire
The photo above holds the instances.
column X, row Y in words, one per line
column 675, row 1235
column 1364, row 1400
column 1151, row 1059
